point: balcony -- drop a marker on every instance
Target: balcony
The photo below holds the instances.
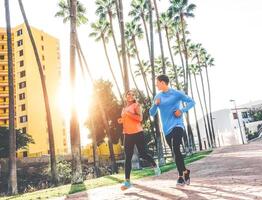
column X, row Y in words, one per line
column 4, row 105
column 4, row 116
column 3, row 83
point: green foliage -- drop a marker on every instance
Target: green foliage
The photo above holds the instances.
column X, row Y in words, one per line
column 22, row 140
column 256, row 115
column 103, row 91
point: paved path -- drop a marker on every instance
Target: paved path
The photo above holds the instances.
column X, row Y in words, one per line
column 228, row 173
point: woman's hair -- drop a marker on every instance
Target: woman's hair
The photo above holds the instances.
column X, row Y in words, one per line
column 129, row 92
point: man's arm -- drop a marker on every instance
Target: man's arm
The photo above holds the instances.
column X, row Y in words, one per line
column 189, row 102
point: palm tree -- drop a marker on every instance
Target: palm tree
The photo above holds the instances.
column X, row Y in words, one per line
column 180, row 9
column 45, row 94
column 132, row 32
column 107, row 8
column 77, row 176
column 194, row 71
column 140, row 10
column 64, row 12
column 197, row 125
column 12, row 183
column 101, row 32
column 160, row 38
column 207, row 60
column 123, row 44
column 101, row 110
column 161, row 160
column 166, row 24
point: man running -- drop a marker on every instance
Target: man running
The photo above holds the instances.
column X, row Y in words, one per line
column 169, row 104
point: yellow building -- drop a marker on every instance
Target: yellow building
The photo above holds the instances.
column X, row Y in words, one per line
column 29, row 101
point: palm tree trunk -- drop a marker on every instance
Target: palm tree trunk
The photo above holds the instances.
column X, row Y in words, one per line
column 197, row 126
column 185, row 52
column 202, row 110
column 111, row 69
column 46, row 100
column 210, row 108
column 74, row 125
column 172, row 58
column 101, row 110
column 123, row 46
column 12, row 183
column 115, row 45
column 160, row 39
column 141, row 70
column 180, row 54
column 161, row 160
column 146, row 32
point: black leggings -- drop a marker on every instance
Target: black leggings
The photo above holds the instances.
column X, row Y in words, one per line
column 174, row 139
column 130, row 141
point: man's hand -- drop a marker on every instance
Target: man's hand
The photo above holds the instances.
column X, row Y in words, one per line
column 178, row 113
column 157, row 102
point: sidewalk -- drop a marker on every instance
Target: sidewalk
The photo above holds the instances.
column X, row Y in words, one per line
column 228, row 173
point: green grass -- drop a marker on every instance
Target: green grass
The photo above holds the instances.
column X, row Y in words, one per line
column 98, row 182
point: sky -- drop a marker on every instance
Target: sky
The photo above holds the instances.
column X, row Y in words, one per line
column 230, row 31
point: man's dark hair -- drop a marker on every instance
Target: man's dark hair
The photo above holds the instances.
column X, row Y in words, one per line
column 163, row 77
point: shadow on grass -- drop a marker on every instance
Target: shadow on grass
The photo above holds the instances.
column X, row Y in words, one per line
column 77, row 188
column 118, row 180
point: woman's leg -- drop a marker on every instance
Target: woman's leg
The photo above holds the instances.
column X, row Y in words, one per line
column 129, row 150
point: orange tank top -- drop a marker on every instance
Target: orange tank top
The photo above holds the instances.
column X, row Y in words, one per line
column 131, row 121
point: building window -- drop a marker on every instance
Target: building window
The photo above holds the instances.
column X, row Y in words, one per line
column 23, row 119
column 23, row 107
column 22, row 85
column 4, row 88
column 19, row 43
column 3, row 78
column 43, row 67
column 43, row 57
column 3, row 67
column 4, row 110
column 3, row 46
column 21, row 52
column 42, row 38
column 22, row 74
column 24, row 130
column 2, row 57
column 3, row 37
column 22, row 96
column 43, row 48
column 4, row 99
column 25, row 154
column 235, row 116
column 21, row 63
column 19, row 32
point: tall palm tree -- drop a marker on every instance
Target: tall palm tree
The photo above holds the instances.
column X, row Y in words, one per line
column 166, row 23
column 101, row 110
column 107, row 8
column 180, row 9
column 45, row 94
column 132, row 32
column 208, row 61
column 194, row 71
column 160, row 154
column 195, row 113
column 160, row 38
column 77, row 176
column 140, row 11
column 12, row 183
column 119, row 7
column 101, row 32
column 64, row 12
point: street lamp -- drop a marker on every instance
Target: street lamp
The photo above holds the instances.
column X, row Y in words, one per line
column 234, row 101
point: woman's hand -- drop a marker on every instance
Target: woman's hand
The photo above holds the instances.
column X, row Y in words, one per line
column 120, row 120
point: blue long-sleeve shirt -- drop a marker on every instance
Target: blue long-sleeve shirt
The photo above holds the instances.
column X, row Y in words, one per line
column 170, row 101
